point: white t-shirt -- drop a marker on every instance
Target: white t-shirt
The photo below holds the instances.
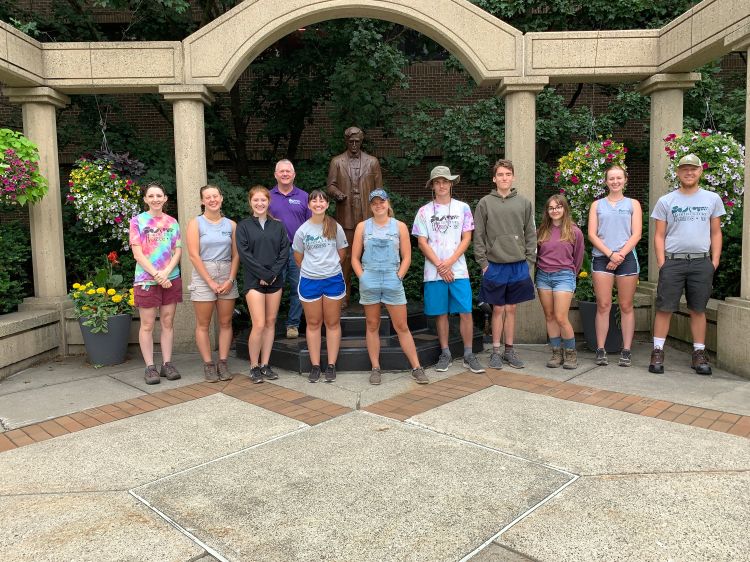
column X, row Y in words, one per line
column 321, row 257
column 443, row 226
column 688, row 219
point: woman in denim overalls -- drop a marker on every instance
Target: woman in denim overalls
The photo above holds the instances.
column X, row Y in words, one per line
column 381, row 255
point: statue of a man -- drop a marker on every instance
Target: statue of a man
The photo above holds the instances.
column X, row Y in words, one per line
column 352, row 175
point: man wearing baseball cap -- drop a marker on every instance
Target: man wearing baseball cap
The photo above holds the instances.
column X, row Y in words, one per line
column 687, row 244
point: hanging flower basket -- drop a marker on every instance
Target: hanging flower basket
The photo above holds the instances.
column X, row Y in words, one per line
column 20, row 180
column 580, row 174
column 105, row 193
column 723, row 165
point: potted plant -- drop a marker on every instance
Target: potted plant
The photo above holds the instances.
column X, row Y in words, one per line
column 20, row 180
column 104, row 307
column 587, row 309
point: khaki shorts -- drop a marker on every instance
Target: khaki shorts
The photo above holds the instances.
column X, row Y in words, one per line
column 219, row 272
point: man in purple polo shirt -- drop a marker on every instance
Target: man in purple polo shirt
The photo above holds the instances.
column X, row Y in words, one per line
column 289, row 205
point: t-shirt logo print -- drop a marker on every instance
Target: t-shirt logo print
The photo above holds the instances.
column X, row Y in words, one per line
column 442, row 224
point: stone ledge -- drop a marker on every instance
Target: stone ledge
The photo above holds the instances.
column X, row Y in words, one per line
column 17, row 322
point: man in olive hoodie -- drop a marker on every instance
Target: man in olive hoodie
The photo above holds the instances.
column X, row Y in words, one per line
column 505, row 249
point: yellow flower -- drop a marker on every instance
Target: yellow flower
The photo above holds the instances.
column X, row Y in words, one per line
column 76, row 285
column 583, row 274
column 84, row 307
column 131, row 290
column 101, row 290
column 91, row 292
column 76, row 295
column 131, row 302
column 116, row 298
column 111, row 292
column 89, row 284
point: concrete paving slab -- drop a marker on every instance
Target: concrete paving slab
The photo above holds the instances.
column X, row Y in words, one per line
column 88, row 527
column 584, row 439
column 358, row 487
column 641, row 518
column 132, row 451
column 23, row 408
column 496, row 553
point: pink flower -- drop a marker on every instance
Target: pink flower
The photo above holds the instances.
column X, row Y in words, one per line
column 670, row 137
column 624, row 149
column 113, row 176
column 118, row 220
column 602, row 151
column 704, row 134
column 730, row 203
column 574, row 179
column 610, row 156
column 607, row 143
column 705, row 165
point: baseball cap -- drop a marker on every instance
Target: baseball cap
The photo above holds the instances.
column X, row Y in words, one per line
column 378, row 193
column 690, row 160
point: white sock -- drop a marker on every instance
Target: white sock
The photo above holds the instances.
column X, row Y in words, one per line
column 659, row 342
column 697, row 346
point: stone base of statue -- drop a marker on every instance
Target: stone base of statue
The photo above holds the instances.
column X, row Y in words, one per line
column 293, row 355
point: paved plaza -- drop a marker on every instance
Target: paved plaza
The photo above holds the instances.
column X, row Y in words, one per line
column 599, row 463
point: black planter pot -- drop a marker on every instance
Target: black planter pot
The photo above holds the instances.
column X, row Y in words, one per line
column 107, row 348
column 613, row 343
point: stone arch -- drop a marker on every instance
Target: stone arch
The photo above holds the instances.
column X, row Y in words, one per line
column 218, row 53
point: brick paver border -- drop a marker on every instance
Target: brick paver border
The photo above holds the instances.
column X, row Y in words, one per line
column 312, row 411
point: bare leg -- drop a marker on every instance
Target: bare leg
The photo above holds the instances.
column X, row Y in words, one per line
column 466, row 326
column 405, row 339
column 256, row 304
column 273, row 300
column 661, row 323
column 562, row 308
column 225, row 308
column 203, row 313
column 698, row 326
column 332, row 318
column 548, row 307
column 509, row 328
column 372, row 333
column 498, row 312
column 441, row 325
column 603, row 290
column 146, row 334
column 166, row 323
column 314, row 319
column 626, row 286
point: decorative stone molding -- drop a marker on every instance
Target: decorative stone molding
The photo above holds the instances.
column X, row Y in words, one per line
column 194, row 92
column 511, row 84
column 659, row 82
column 39, row 94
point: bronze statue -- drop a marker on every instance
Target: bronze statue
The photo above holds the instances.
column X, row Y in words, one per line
column 352, row 175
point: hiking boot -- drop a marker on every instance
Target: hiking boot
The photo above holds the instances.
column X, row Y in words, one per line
column 496, row 361
column 419, row 376
column 268, row 373
column 223, row 369
column 209, row 372
column 170, row 372
column 444, row 361
column 657, row 361
column 331, row 372
column 601, row 357
column 314, row 375
column 557, row 358
column 511, row 358
column 570, row 359
column 700, row 362
column 292, row 332
column 152, row 375
column 255, row 375
column 626, row 358
column 472, row 363
column 375, row 377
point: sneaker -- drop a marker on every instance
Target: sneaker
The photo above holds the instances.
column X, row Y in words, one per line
column 419, row 376
column 571, row 359
column 314, row 375
column 511, row 358
column 557, row 358
column 625, row 358
column 255, row 375
column 472, row 363
column 601, row 357
column 268, row 373
column 292, row 332
column 444, row 361
column 700, row 362
column 496, row 361
column 170, row 372
column 223, row 369
column 330, row 373
column 152, row 375
column 657, row 361
column 209, row 372
column 375, row 376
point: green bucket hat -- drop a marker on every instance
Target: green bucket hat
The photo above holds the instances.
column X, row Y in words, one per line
column 442, row 172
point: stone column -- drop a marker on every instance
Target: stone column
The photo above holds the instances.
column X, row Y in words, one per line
column 48, row 255
column 666, row 91
column 520, row 128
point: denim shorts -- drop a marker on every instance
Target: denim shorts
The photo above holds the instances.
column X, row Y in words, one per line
column 381, row 286
column 447, row 298
column 556, row 281
column 629, row 265
column 311, row 290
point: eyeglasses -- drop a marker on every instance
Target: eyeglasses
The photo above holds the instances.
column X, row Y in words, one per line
column 554, row 209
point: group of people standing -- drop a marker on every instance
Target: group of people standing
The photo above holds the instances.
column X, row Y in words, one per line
column 290, row 238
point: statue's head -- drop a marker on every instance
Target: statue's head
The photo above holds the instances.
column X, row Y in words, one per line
column 354, row 137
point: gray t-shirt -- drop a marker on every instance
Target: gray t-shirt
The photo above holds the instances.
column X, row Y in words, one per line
column 321, row 257
column 688, row 219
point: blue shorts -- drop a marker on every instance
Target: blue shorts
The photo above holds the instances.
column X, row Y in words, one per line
column 556, row 281
column 507, row 283
column 381, row 286
column 311, row 290
column 447, row 298
column 629, row 265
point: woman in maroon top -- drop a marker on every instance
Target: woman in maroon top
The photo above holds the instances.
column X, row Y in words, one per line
column 559, row 258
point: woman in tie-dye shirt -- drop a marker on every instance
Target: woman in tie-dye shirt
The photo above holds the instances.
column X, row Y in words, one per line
column 155, row 240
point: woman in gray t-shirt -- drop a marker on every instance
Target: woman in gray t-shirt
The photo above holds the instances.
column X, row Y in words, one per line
column 319, row 246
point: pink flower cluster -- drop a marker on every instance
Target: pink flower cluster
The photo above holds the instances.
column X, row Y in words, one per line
column 17, row 177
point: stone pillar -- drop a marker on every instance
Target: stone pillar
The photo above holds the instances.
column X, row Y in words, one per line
column 520, row 128
column 48, row 255
column 190, row 165
column 666, row 91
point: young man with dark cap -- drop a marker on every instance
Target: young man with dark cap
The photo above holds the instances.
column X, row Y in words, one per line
column 443, row 228
column 687, row 243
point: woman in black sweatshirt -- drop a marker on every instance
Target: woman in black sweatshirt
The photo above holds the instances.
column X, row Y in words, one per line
column 263, row 246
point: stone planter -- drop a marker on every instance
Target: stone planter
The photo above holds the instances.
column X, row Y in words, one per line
column 107, row 348
column 613, row 343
